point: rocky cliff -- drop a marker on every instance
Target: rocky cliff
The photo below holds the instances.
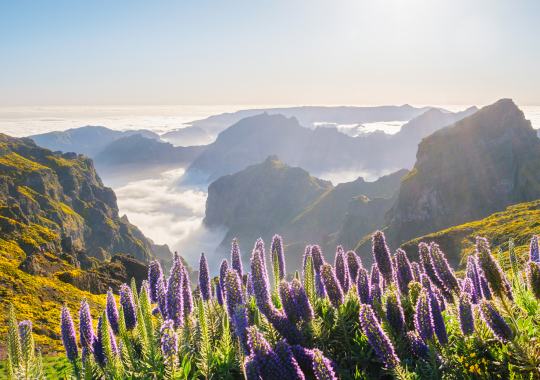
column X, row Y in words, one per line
column 273, row 198
column 60, row 236
column 465, row 172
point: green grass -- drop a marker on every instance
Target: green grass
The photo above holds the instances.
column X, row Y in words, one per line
column 53, row 368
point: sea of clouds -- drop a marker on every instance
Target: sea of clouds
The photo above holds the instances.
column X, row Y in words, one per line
column 168, row 207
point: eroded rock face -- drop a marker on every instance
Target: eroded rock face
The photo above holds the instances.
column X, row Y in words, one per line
column 467, row 171
column 120, row 270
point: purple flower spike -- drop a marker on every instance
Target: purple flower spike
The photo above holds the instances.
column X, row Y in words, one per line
column 277, row 249
column 375, row 276
column 323, row 367
column 288, row 302
column 442, row 269
column 162, row 298
column 423, row 320
column 169, row 342
column 318, row 258
column 154, row 274
column 175, row 302
column 112, row 312
column 403, row 271
column 236, row 260
column 252, row 369
column 342, row 270
column 222, row 273
column 440, row 298
column 417, row 346
column 427, row 265
column 495, row 321
column 377, row 337
column 270, row 366
column 416, row 271
column 467, row 287
column 219, row 296
column 534, row 254
column 533, row 273
column 97, row 349
column 354, row 263
column 187, row 297
column 490, row 267
column 68, row 335
column 382, row 256
column 86, row 329
column 362, row 286
column 331, row 286
column 249, row 286
column 319, row 286
column 472, row 274
column 466, row 316
column 376, row 294
column 240, row 322
column 287, row 360
column 438, row 321
column 204, row 279
column 234, row 291
column 426, row 283
column 260, row 285
column 302, row 302
column 486, row 291
column 126, row 300
column 394, row 314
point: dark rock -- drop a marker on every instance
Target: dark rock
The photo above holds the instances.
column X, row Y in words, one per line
column 31, row 266
column 465, row 172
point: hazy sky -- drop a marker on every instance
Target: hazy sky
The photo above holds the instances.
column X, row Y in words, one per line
column 269, row 52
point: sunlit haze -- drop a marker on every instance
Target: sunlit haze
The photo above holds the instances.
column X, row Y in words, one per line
column 260, row 52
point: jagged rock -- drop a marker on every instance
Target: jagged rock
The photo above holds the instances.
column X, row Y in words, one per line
column 125, row 267
column 31, row 266
column 465, row 172
column 87, row 281
column 295, row 205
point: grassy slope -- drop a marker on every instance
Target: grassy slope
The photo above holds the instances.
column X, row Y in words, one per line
column 519, row 222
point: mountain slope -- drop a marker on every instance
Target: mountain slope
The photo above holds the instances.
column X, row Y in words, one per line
column 321, row 150
column 273, row 198
column 88, row 140
column 467, row 171
column 61, row 237
column 519, row 222
column 309, row 115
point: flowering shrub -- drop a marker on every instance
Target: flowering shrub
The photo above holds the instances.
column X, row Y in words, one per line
column 405, row 320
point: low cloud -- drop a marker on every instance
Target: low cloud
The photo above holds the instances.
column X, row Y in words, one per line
column 169, row 211
column 338, row 177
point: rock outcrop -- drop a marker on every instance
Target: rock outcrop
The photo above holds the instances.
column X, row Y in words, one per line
column 465, row 172
column 273, row 198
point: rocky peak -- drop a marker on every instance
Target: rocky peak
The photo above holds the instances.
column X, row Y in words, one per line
column 467, row 171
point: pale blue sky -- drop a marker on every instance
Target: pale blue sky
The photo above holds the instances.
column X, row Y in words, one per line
column 269, row 52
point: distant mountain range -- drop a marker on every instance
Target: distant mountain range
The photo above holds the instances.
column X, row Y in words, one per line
column 272, row 197
column 252, row 139
column 308, row 115
column 467, row 171
column 321, row 150
column 88, row 140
